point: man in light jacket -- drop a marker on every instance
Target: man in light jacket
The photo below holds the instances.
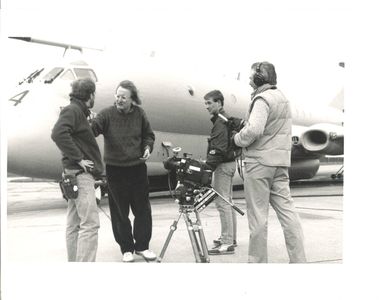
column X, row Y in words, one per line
column 266, row 143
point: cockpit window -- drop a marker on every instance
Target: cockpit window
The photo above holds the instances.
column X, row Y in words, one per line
column 50, row 77
column 68, row 75
column 85, row 73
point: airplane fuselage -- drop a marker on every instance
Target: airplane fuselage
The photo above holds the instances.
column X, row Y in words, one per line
column 173, row 103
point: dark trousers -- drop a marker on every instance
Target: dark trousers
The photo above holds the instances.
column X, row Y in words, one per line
column 128, row 187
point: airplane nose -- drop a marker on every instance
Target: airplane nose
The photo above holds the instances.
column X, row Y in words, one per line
column 28, row 127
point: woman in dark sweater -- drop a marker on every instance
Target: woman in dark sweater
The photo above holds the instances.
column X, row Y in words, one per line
column 128, row 142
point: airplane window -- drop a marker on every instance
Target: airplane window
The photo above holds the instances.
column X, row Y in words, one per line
column 190, row 90
column 85, row 73
column 50, row 77
column 68, row 75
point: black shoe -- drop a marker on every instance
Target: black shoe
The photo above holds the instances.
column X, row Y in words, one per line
column 222, row 249
column 217, row 242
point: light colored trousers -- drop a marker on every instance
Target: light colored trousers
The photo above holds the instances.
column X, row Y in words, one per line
column 83, row 222
column 264, row 185
column 222, row 183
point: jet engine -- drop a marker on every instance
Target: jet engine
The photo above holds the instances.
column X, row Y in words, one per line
column 323, row 139
column 304, row 168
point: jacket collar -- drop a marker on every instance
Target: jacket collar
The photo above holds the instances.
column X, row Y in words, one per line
column 82, row 105
column 262, row 88
column 215, row 116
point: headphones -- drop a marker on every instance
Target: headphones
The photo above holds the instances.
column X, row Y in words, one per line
column 259, row 78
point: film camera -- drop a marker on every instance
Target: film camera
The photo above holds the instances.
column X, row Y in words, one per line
column 194, row 179
column 193, row 176
column 190, row 171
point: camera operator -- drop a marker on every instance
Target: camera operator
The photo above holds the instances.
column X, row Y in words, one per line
column 224, row 166
column 266, row 143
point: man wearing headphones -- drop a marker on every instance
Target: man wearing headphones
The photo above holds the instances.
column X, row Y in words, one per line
column 266, row 143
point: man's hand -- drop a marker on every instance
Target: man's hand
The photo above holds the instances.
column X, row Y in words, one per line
column 146, row 154
column 86, row 164
column 92, row 115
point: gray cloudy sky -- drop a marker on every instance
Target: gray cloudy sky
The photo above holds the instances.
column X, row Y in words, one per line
column 303, row 41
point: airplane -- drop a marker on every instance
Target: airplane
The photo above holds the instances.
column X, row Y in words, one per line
column 173, row 102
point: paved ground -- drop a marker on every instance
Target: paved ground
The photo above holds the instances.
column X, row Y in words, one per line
column 36, row 222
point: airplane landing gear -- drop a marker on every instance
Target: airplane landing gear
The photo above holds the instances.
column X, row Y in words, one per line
column 338, row 174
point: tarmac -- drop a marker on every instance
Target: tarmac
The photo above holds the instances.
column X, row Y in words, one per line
column 36, row 215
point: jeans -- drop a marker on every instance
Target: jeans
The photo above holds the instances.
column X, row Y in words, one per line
column 222, row 183
column 128, row 187
column 264, row 185
column 82, row 222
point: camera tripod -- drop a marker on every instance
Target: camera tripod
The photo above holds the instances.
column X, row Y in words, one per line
column 199, row 245
column 202, row 200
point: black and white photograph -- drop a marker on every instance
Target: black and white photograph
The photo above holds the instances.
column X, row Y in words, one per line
column 177, row 149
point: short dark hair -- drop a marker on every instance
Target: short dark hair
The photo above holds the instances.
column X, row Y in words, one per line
column 82, row 89
column 129, row 85
column 266, row 70
column 215, row 95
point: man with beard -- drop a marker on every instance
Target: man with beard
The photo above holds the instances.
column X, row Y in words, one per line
column 80, row 158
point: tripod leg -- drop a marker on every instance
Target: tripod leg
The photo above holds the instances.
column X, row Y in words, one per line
column 202, row 238
column 192, row 236
column 173, row 228
column 205, row 257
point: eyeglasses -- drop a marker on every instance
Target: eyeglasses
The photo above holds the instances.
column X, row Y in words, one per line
column 121, row 97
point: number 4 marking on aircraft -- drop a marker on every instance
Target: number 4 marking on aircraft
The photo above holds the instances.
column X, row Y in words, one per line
column 18, row 97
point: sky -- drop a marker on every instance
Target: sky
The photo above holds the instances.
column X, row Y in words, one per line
column 305, row 45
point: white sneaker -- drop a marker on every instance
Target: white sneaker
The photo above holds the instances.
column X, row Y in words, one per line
column 222, row 249
column 147, row 254
column 128, row 257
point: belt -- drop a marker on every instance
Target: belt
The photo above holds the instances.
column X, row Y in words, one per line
column 79, row 172
column 75, row 172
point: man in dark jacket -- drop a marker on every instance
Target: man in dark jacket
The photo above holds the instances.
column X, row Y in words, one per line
column 81, row 157
column 128, row 142
column 223, row 164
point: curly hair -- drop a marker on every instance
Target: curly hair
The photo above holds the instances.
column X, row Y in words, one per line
column 129, row 85
column 82, row 89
